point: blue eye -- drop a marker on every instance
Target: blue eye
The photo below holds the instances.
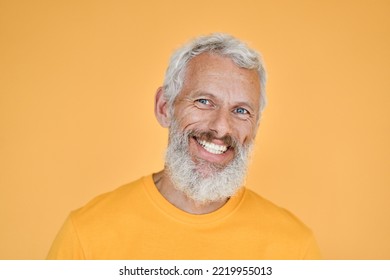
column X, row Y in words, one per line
column 241, row 111
column 203, row 101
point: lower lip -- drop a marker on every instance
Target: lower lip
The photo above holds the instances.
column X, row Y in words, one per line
column 210, row 157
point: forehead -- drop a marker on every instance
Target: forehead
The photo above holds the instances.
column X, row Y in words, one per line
column 219, row 75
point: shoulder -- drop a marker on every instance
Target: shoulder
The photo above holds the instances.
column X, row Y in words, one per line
column 271, row 215
column 100, row 221
column 286, row 235
column 111, row 204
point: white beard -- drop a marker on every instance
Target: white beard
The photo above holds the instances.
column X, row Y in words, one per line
column 220, row 183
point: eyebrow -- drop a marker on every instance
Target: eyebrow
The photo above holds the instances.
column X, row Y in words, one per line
column 202, row 93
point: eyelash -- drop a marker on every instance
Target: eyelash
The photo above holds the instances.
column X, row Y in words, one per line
column 203, row 99
column 245, row 111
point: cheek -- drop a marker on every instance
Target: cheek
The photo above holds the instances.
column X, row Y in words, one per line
column 192, row 118
column 246, row 133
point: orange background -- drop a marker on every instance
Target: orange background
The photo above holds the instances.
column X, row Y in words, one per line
column 77, row 82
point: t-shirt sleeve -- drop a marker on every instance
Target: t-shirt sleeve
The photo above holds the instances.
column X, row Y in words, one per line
column 66, row 245
column 312, row 251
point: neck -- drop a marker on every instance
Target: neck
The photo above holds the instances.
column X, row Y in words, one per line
column 179, row 199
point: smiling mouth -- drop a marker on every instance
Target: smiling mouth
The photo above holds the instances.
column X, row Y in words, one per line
column 211, row 147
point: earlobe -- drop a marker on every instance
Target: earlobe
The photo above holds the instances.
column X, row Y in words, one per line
column 161, row 108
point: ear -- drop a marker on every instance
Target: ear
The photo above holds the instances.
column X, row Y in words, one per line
column 161, row 108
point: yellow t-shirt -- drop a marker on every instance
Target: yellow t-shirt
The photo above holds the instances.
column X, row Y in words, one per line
column 136, row 222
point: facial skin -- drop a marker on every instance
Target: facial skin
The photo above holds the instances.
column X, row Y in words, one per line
column 222, row 98
column 217, row 113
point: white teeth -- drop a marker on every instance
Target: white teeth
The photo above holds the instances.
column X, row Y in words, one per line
column 212, row 148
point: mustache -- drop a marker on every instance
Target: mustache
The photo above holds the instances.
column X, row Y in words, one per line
column 228, row 140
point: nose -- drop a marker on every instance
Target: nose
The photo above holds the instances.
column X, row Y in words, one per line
column 221, row 123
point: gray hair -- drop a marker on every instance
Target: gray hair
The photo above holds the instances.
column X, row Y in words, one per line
column 217, row 43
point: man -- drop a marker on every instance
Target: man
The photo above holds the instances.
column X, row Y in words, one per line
column 196, row 207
